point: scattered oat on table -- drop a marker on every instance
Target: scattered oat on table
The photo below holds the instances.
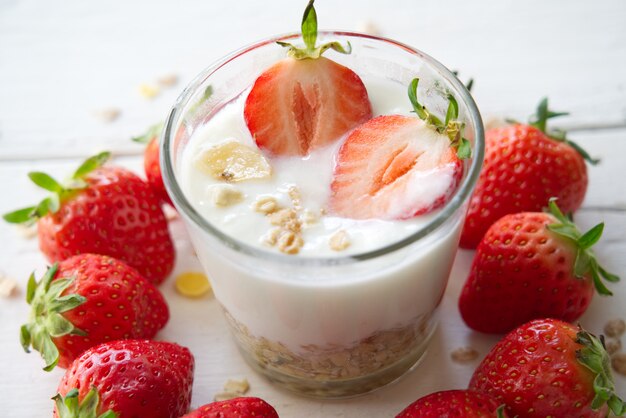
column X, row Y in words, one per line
column 612, row 345
column 192, row 284
column 615, row 328
column 107, row 115
column 464, row 355
column 168, row 80
column 233, row 389
column 149, row 91
column 618, row 361
column 369, row 27
column 27, row 231
column 8, row 286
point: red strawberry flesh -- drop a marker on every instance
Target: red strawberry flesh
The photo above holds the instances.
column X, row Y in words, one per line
column 297, row 106
column 452, row 404
column 235, row 408
column 394, row 167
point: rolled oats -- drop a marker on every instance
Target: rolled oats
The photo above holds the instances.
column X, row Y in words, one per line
column 334, row 362
column 618, row 361
column 339, row 241
column 225, row 195
column 168, row 80
column 464, row 355
column 612, row 346
column 266, row 205
column 8, row 286
column 290, row 242
column 615, row 328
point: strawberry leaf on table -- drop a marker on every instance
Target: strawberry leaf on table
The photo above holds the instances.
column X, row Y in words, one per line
column 68, row 406
column 60, row 191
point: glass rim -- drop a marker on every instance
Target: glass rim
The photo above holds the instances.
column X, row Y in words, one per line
column 182, row 204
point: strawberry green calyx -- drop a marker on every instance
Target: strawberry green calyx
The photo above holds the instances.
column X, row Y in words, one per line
column 152, row 132
column 46, row 321
column 540, row 121
column 593, row 356
column 451, row 126
column 68, row 406
column 60, row 191
column 309, row 35
column 500, row 411
column 586, row 262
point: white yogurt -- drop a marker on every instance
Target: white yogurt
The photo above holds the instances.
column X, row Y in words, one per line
column 311, row 174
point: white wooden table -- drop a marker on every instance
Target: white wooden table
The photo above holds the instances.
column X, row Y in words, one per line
column 60, row 61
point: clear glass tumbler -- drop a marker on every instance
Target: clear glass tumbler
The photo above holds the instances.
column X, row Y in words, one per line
column 338, row 326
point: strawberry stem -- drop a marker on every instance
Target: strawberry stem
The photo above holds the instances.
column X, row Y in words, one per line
column 309, row 35
column 60, row 191
column 152, row 132
column 540, row 121
column 593, row 356
column 451, row 126
column 68, row 406
column 46, row 321
column 586, row 262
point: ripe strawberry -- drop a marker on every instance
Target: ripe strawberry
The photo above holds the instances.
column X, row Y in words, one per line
column 454, row 403
column 102, row 210
column 235, row 408
column 305, row 101
column 549, row 368
column 86, row 300
column 151, row 162
column 525, row 166
column 397, row 167
column 532, row 265
column 130, row 378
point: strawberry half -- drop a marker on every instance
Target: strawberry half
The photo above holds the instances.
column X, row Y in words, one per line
column 235, row 408
column 532, row 265
column 127, row 379
column 86, row 300
column 454, row 403
column 305, row 101
column 397, row 167
column 549, row 368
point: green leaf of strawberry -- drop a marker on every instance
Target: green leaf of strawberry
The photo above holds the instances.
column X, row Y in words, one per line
column 451, row 126
column 69, row 407
column 309, row 35
column 60, row 191
column 540, row 121
column 586, row 262
column 46, row 322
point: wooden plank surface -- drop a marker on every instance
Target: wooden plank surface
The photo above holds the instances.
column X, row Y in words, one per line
column 62, row 60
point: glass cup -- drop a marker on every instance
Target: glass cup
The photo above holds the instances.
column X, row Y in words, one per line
column 336, row 326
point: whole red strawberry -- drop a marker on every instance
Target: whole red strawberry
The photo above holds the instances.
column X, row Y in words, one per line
column 102, row 210
column 549, row 368
column 525, row 166
column 398, row 167
column 305, row 101
column 129, row 378
column 86, row 300
column 532, row 265
column 454, row 404
column 235, row 408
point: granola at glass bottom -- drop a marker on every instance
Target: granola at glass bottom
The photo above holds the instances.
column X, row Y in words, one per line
column 334, row 362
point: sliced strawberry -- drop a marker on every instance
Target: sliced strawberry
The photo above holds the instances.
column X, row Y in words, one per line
column 297, row 106
column 305, row 101
column 394, row 167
